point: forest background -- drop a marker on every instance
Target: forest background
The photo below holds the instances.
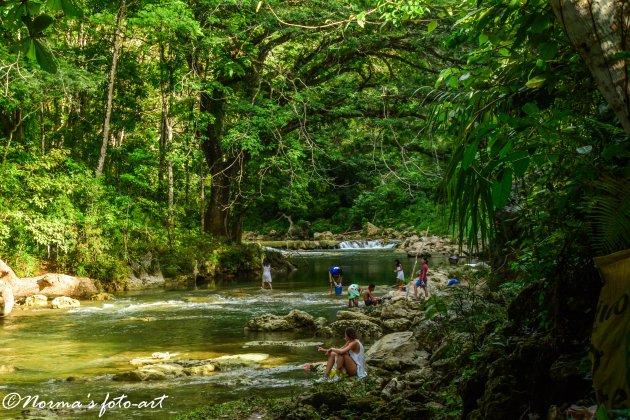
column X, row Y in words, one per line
column 165, row 129
column 168, row 127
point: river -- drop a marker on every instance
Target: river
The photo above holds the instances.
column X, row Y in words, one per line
column 70, row 356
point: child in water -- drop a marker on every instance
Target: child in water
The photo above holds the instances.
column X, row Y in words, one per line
column 369, row 298
column 266, row 277
column 354, row 291
column 400, row 274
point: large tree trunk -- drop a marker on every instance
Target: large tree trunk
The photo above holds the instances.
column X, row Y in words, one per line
column 219, row 219
column 202, row 200
column 110, row 90
column 599, row 29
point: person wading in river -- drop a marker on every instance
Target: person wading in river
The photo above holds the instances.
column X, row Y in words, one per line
column 335, row 276
column 350, row 357
column 400, row 275
column 266, row 276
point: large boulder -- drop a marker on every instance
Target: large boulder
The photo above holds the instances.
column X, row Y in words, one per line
column 429, row 245
column 295, row 320
column 396, row 324
column 64, row 302
column 393, row 351
column 6, row 298
column 356, row 315
column 202, row 370
column 33, row 301
column 401, row 309
column 363, row 327
column 102, row 296
column 154, row 372
column 371, row 230
column 324, row 236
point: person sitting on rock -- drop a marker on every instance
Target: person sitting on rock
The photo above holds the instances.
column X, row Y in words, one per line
column 368, row 296
column 351, row 358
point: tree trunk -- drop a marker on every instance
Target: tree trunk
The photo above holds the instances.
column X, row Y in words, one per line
column 599, row 29
column 219, row 219
column 110, row 90
column 164, row 121
column 202, row 200
column 171, row 188
column 42, row 128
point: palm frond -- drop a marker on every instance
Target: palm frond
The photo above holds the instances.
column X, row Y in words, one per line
column 609, row 216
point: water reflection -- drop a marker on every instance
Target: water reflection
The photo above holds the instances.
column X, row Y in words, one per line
column 74, row 354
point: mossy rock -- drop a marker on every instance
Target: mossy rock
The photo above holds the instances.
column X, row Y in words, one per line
column 301, row 412
column 363, row 327
column 325, row 398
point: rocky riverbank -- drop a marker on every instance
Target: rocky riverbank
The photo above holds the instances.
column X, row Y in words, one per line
column 460, row 354
column 410, row 241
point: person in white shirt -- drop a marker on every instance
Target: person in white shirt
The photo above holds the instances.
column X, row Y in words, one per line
column 266, row 277
column 350, row 357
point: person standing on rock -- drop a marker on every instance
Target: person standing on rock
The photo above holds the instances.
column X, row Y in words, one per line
column 400, row 275
column 350, row 357
column 266, row 276
column 422, row 280
column 335, row 278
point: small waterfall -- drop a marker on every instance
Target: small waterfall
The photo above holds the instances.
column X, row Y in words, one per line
column 376, row 244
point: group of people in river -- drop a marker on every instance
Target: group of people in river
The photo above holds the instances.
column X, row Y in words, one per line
column 335, row 279
column 354, row 291
column 351, row 357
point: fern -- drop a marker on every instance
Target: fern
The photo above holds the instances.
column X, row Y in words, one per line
column 609, row 216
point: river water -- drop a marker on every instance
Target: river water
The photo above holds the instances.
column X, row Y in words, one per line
column 70, row 356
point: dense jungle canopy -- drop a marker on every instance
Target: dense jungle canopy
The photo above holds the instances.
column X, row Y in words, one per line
column 169, row 127
column 137, row 125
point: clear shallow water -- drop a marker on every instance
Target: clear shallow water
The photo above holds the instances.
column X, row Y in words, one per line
column 41, row 349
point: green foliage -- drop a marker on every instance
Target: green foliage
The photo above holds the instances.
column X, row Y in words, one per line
column 29, row 19
column 610, row 215
column 468, row 306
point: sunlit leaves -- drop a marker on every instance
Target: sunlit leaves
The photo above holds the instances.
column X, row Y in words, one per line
column 536, row 82
column 68, row 7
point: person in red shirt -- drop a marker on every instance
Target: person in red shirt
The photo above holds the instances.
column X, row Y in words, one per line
column 422, row 280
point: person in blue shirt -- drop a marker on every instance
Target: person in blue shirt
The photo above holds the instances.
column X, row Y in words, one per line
column 335, row 275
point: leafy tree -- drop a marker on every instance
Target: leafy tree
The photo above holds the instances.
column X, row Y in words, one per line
column 272, row 86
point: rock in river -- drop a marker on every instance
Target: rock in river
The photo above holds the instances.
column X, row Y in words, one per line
column 295, row 320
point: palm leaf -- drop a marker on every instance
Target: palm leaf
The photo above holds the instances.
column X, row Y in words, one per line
column 609, row 216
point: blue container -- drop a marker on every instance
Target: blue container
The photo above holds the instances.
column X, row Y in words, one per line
column 338, row 290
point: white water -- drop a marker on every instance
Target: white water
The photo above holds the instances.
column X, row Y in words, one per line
column 44, row 348
column 376, row 244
